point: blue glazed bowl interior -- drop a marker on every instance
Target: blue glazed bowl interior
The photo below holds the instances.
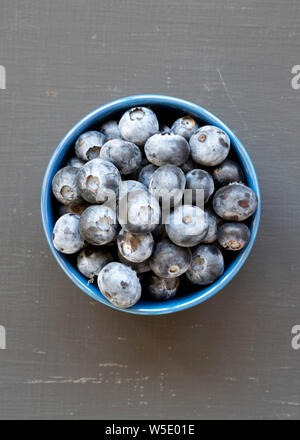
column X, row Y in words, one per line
column 167, row 109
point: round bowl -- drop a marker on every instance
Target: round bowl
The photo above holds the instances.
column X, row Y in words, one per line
column 176, row 107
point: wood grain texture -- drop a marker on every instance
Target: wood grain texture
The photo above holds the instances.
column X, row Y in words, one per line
column 68, row 357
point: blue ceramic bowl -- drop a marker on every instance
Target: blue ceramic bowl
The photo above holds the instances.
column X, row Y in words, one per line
column 175, row 107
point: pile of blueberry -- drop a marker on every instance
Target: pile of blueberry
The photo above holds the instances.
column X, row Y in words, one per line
column 112, row 197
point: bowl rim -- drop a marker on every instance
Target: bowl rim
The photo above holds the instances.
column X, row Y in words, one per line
column 183, row 105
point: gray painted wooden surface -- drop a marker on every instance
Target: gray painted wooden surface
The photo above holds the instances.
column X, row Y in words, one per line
column 69, row 357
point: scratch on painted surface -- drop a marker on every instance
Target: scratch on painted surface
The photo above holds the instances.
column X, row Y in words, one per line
column 231, row 100
column 112, row 364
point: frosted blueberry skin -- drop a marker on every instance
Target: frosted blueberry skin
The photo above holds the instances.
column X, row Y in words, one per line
column 169, row 260
column 64, row 186
column 185, row 126
column 207, row 265
column 72, row 209
column 98, row 224
column 200, row 180
column 139, row 212
column 164, row 129
column 233, row 236
column 119, row 284
column 138, row 124
column 126, row 156
column 187, row 225
column 209, row 145
column 75, row 162
column 167, row 184
column 227, row 172
column 88, row 145
column 139, row 268
column 235, row 202
column 110, row 129
column 127, row 186
column 98, row 180
column 169, row 148
column 66, row 236
column 146, row 173
column 213, row 223
column 162, row 289
column 91, row 260
column 135, row 247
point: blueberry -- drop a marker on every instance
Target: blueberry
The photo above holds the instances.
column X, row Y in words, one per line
column 213, row 223
column 119, row 284
column 91, row 260
column 139, row 268
column 167, row 184
column 139, row 212
column 89, row 144
column 207, row 265
column 98, row 180
column 66, row 236
column 168, row 148
column 138, row 124
column 164, row 129
column 75, row 162
column 64, row 186
column 135, row 247
column 110, row 129
column 127, row 186
column 235, row 202
column 159, row 232
column 162, row 289
column 189, row 165
column 169, row 260
column 98, row 224
column 227, row 172
column 146, row 174
column 233, row 236
column 185, row 126
column 72, row 209
column 200, row 180
column 209, row 145
column 187, row 225
column 126, row 156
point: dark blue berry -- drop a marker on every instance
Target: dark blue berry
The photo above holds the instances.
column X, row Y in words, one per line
column 64, row 186
column 209, row 145
column 98, row 224
column 119, row 284
column 233, row 236
column 185, row 126
column 168, row 148
column 138, row 124
column 162, row 289
column 235, row 202
column 227, row 172
column 89, row 144
column 169, row 260
column 66, row 236
column 207, row 265
column 126, row 156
